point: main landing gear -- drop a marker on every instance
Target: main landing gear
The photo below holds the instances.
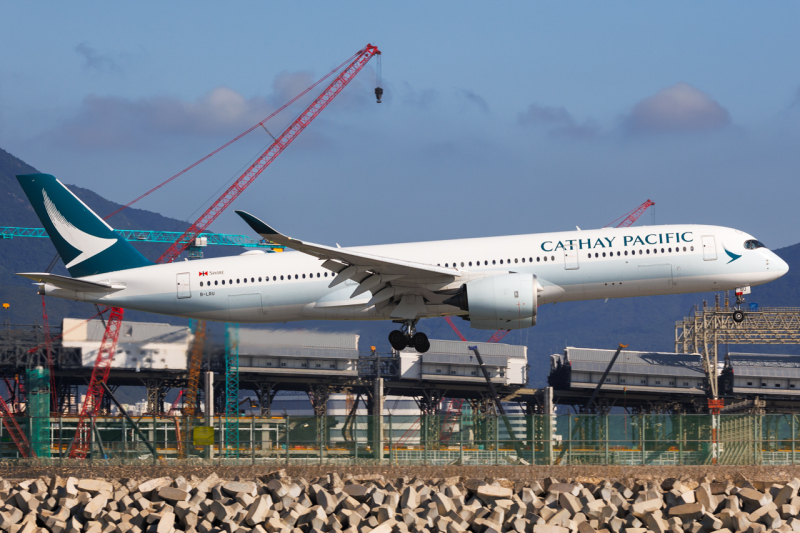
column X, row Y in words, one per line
column 408, row 337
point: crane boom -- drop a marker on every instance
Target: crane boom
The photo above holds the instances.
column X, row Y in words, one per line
column 94, row 395
column 632, row 216
column 274, row 150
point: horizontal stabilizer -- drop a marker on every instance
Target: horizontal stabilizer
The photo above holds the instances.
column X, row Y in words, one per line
column 70, row 284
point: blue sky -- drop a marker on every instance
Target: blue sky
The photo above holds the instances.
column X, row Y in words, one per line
column 498, row 118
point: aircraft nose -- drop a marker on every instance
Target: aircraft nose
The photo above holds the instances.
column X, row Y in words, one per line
column 778, row 265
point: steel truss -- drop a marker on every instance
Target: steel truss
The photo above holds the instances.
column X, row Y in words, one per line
column 704, row 331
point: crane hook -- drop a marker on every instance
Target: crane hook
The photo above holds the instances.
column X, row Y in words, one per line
column 379, row 93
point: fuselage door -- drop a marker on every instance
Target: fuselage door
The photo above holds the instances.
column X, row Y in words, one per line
column 184, row 291
column 571, row 260
column 709, row 248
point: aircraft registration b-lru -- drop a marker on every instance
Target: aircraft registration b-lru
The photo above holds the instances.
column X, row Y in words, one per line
column 494, row 282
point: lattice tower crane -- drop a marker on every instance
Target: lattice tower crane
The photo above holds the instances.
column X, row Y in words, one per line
column 81, row 442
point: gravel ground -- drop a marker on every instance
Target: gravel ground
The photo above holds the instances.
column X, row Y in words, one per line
column 514, row 473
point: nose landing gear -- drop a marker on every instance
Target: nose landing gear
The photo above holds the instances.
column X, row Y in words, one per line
column 738, row 314
column 408, row 337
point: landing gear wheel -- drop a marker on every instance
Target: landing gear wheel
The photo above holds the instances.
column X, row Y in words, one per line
column 398, row 340
column 420, row 342
column 738, row 316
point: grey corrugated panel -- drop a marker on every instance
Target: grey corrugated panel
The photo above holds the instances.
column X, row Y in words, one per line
column 655, row 370
column 638, row 388
column 140, row 332
column 631, row 357
column 767, row 372
column 289, row 351
column 463, row 359
column 764, row 360
column 486, row 349
column 296, row 338
column 772, row 392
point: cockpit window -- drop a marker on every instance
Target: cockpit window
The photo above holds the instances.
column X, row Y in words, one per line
column 753, row 244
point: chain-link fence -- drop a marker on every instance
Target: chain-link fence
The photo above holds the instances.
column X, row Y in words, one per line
column 467, row 439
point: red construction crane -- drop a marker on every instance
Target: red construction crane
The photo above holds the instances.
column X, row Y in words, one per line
column 274, row 150
column 176, row 403
column 94, row 395
column 17, row 435
column 631, row 216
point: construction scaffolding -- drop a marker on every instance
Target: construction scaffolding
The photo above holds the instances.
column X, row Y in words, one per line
column 38, row 383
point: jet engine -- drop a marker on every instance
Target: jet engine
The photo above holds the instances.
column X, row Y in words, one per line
column 505, row 301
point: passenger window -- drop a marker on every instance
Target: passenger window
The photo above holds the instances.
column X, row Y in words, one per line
column 523, row 259
column 253, row 280
column 662, row 250
column 545, row 258
column 223, row 282
column 259, row 279
column 296, row 277
column 462, row 263
column 552, row 258
column 470, row 263
column 317, row 274
column 648, row 250
column 494, row 262
column 215, row 282
column 626, row 252
column 201, row 283
column 501, row 261
column 275, row 278
column 281, row 278
column 304, row 276
column 530, row 259
column 537, row 260
column 447, row 264
column 245, row 280
column 326, row 274
column 596, row 254
column 486, row 262
column 691, row 248
column 604, row 254
column 590, row 256
column 515, row 260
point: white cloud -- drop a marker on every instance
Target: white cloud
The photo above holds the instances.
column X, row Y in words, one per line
column 675, row 109
column 111, row 121
column 558, row 121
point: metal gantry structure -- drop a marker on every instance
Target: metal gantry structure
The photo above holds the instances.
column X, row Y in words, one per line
column 709, row 327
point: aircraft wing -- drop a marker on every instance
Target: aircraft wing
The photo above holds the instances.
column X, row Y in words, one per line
column 372, row 272
column 70, row 284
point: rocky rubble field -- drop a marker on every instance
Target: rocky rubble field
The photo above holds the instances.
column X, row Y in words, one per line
column 372, row 503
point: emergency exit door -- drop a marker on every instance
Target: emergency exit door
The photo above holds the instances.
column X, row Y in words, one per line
column 184, row 291
column 571, row 260
column 709, row 248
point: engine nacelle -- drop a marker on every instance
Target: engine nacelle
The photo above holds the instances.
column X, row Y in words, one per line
column 506, row 301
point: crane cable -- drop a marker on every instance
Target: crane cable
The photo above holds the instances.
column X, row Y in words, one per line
column 258, row 125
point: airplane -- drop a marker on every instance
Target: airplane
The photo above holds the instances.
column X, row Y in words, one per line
column 494, row 282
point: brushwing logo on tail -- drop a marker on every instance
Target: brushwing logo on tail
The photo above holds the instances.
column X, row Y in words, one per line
column 88, row 245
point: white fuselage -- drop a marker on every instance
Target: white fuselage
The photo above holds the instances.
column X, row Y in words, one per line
column 569, row 266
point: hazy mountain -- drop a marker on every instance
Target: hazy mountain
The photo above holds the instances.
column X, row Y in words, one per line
column 643, row 323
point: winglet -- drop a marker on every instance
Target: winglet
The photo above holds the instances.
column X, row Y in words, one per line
column 258, row 225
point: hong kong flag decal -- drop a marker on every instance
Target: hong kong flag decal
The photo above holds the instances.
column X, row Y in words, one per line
column 204, row 273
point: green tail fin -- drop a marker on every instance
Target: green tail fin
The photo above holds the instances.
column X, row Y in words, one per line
column 86, row 244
